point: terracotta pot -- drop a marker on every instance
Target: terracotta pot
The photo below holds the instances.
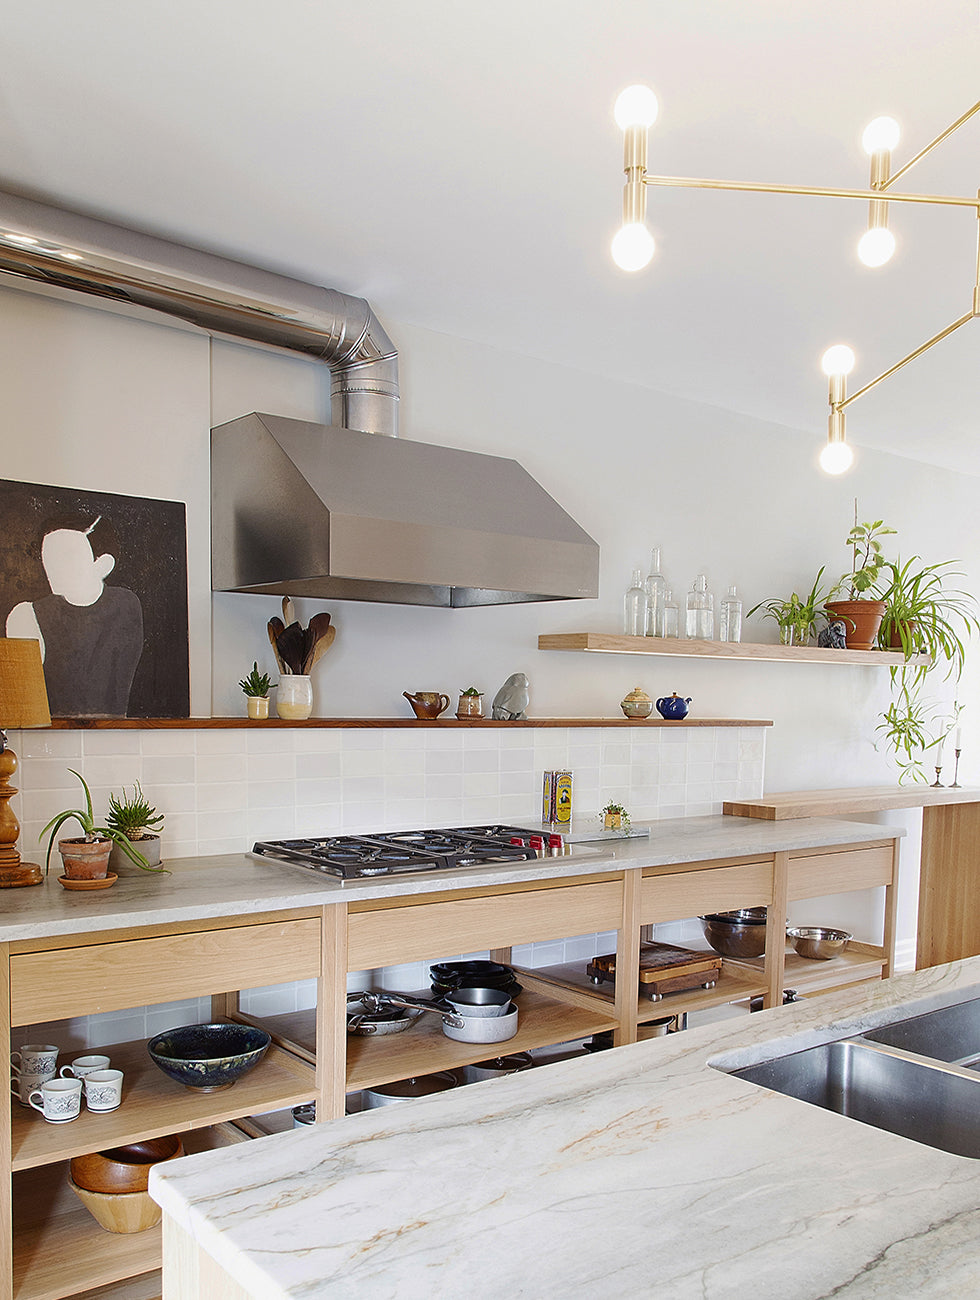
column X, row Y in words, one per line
column 861, row 618
column 895, row 636
column 84, row 860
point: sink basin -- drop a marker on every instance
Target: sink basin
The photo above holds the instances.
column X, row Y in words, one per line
column 951, row 1034
column 932, row 1103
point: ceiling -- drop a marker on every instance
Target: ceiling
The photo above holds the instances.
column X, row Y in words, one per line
column 458, row 166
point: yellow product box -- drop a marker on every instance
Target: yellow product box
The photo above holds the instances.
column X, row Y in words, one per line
column 556, row 805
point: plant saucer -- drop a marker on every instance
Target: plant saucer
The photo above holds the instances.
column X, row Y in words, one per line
column 103, row 883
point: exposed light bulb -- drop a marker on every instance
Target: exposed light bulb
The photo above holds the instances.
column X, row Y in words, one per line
column 876, row 246
column 881, row 135
column 636, row 106
column 632, row 246
column 836, row 458
column 838, row 360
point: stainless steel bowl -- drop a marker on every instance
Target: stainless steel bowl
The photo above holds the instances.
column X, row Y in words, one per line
column 734, row 939
column 817, row 941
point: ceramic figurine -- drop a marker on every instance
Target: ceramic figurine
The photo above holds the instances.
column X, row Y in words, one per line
column 511, row 701
column 833, row 636
column 673, row 707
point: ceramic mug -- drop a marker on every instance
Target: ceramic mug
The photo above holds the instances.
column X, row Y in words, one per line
column 58, row 1100
column 83, row 1065
column 22, row 1085
column 103, row 1089
column 40, row 1059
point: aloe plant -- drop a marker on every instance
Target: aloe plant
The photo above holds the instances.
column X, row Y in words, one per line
column 91, row 833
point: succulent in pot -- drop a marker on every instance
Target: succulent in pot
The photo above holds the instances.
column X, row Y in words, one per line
column 256, row 686
column 136, row 818
column 86, row 857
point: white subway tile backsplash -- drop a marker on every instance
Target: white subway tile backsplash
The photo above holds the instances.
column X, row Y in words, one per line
column 47, row 744
column 168, row 770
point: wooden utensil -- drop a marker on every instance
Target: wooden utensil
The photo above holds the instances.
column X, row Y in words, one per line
column 321, row 647
column 317, row 630
column 290, row 645
column 276, row 626
column 288, row 610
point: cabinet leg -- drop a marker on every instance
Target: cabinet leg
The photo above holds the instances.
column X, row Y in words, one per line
column 628, row 961
column 776, row 931
column 331, row 1014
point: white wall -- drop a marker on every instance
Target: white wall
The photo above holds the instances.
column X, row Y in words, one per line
column 99, row 398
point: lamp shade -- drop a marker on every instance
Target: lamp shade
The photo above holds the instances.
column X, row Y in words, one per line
column 23, row 698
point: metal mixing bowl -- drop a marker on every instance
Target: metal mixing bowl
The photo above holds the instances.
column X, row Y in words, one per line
column 817, row 941
column 734, row 938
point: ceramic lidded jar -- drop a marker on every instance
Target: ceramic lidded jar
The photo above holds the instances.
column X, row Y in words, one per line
column 637, row 704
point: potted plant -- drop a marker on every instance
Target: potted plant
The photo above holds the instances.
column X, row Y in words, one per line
column 615, row 817
column 86, row 857
column 256, row 687
column 133, row 816
column 796, row 617
column 924, row 616
column 853, row 600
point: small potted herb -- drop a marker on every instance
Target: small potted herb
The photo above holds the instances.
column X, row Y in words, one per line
column 136, row 818
column 256, row 688
column 470, row 703
column 797, row 616
column 615, row 817
column 86, row 857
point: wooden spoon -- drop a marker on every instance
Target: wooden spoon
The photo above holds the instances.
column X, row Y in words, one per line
column 276, row 626
column 318, row 628
column 290, row 645
column 321, row 647
column 288, row 611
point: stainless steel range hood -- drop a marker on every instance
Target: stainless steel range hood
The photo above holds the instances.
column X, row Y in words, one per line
column 318, row 510
column 307, row 509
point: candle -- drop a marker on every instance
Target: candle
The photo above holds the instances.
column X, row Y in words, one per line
column 959, row 737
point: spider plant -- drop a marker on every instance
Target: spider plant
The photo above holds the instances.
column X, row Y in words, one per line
column 924, row 616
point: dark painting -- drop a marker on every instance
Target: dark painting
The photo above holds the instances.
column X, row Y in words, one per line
column 101, row 580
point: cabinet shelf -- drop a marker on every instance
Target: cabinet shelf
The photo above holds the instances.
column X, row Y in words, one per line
column 59, row 1249
column 154, row 1105
column 607, row 643
column 859, row 961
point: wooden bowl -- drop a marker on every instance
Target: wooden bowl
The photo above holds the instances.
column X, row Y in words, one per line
column 123, row 1169
column 119, row 1211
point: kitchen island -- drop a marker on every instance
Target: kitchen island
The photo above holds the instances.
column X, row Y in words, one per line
column 642, row 1171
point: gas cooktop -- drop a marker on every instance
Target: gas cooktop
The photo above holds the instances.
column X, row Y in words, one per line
column 399, row 852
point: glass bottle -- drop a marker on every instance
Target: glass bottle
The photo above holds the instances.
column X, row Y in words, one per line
column 700, row 611
column 671, row 614
column 635, row 606
column 656, row 587
column 731, row 617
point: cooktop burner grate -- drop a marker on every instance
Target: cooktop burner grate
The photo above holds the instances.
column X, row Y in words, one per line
column 401, row 852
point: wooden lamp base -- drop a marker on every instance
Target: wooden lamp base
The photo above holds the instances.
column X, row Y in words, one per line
column 14, row 874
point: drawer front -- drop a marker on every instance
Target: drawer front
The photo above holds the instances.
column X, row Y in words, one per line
column 837, row 873
column 434, row 930
column 64, row 982
column 716, row 889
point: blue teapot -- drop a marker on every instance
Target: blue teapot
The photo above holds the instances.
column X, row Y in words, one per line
column 673, row 707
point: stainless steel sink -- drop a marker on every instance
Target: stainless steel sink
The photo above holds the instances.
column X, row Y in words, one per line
column 951, row 1034
column 929, row 1102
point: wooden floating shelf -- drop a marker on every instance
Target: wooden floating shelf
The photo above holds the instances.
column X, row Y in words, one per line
column 607, row 643
column 195, row 724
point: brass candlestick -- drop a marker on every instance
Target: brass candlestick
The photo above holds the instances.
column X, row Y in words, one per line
column 937, row 784
column 956, row 770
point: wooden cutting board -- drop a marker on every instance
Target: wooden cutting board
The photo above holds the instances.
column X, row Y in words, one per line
column 659, row 961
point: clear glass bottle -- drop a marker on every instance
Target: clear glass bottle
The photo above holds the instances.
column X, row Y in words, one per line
column 635, row 606
column 656, row 588
column 730, row 622
column 671, row 614
column 700, row 611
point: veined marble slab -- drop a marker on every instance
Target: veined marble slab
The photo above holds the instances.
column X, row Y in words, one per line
column 237, row 884
column 640, row 1171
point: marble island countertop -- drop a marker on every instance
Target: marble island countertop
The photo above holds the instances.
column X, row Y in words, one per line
column 641, row 1171
column 238, row 884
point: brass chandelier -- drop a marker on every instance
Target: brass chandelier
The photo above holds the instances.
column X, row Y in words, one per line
column 633, row 245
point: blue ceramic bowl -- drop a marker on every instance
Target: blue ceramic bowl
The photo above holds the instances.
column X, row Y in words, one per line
column 208, row 1058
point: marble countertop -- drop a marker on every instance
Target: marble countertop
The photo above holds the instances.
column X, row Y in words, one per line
column 238, row 884
column 640, row 1171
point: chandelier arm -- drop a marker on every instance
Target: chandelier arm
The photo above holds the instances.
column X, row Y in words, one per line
column 937, row 338
column 816, row 191
column 932, row 144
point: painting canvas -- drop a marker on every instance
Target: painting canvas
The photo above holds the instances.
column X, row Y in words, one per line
column 101, row 581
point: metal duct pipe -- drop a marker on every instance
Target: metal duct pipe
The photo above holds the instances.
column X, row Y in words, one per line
column 39, row 242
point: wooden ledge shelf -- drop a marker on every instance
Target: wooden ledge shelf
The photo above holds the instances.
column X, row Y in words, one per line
column 607, row 643
column 207, row 724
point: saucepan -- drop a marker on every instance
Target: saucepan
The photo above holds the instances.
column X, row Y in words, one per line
column 468, row 1015
column 364, row 1022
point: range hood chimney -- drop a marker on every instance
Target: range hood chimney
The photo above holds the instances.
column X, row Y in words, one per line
column 305, row 509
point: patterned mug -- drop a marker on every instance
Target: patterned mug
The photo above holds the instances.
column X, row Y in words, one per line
column 58, row 1100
